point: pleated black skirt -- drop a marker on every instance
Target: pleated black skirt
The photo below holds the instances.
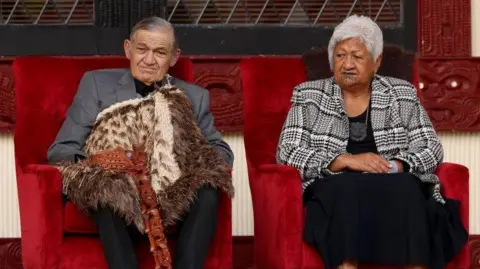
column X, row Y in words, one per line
column 383, row 219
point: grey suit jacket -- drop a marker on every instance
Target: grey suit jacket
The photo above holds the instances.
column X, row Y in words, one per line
column 102, row 88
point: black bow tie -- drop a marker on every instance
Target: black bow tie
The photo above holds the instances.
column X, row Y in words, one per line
column 144, row 89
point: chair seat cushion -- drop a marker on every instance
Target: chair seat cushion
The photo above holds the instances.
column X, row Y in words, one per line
column 87, row 252
column 77, row 222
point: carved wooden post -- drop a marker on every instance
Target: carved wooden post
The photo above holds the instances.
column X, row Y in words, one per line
column 449, row 84
column 444, row 28
column 146, row 8
column 111, row 14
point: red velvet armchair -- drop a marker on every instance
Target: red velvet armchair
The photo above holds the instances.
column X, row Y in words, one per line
column 267, row 84
column 55, row 236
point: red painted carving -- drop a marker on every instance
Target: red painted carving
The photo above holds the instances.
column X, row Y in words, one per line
column 7, row 98
column 444, row 28
column 222, row 78
column 474, row 242
column 450, row 92
column 10, row 253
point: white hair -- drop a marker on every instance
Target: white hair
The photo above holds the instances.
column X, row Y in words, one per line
column 360, row 27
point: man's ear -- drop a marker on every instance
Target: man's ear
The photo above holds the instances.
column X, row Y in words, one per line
column 175, row 57
column 126, row 47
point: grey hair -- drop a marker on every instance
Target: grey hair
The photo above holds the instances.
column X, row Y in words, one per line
column 155, row 23
column 360, row 27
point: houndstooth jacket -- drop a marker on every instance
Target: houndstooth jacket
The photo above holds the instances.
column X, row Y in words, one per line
column 316, row 130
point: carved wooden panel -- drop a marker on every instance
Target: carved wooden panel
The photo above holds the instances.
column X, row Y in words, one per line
column 444, row 28
column 222, row 78
column 10, row 253
column 474, row 242
column 7, row 98
column 450, row 92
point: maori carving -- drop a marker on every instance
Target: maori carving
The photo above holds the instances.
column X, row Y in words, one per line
column 7, row 98
column 145, row 8
column 450, row 92
column 222, row 79
column 136, row 164
column 10, row 253
column 444, row 28
column 474, row 242
column 111, row 14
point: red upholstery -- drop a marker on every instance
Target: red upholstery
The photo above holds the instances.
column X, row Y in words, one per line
column 54, row 236
column 276, row 190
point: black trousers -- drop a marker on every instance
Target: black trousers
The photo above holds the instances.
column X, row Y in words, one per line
column 195, row 234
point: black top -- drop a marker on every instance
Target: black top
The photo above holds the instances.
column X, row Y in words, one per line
column 366, row 144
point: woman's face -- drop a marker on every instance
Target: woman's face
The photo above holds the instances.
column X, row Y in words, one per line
column 353, row 65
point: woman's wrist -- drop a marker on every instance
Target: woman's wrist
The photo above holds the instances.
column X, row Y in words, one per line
column 340, row 163
column 344, row 161
column 397, row 166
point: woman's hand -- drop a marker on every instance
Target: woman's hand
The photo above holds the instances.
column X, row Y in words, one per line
column 367, row 162
column 399, row 166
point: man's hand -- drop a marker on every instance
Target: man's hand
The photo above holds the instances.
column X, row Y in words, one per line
column 367, row 162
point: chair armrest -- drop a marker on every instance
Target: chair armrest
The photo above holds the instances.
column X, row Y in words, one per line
column 41, row 215
column 221, row 246
column 278, row 215
column 454, row 180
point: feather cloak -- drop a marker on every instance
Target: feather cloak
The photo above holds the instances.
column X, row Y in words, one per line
column 180, row 160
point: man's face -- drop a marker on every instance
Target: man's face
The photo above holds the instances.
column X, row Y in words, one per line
column 151, row 54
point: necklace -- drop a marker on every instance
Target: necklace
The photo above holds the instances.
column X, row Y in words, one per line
column 358, row 130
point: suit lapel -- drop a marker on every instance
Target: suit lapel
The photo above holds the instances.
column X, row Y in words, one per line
column 126, row 88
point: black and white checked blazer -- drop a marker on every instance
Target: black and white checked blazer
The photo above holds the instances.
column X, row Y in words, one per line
column 316, row 130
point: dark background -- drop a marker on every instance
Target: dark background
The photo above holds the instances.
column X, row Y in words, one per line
column 204, row 27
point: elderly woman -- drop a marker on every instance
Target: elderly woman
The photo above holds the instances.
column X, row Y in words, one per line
column 367, row 153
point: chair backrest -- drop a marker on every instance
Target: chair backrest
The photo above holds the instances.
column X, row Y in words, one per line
column 45, row 87
column 268, row 82
column 267, row 85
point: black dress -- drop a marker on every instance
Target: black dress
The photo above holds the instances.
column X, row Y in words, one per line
column 381, row 219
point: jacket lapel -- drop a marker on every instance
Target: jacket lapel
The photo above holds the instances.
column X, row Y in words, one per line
column 126, row 88
column 340, row 107
column 380, row 111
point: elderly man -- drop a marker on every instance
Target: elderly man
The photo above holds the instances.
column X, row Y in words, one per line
column 152, row 49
